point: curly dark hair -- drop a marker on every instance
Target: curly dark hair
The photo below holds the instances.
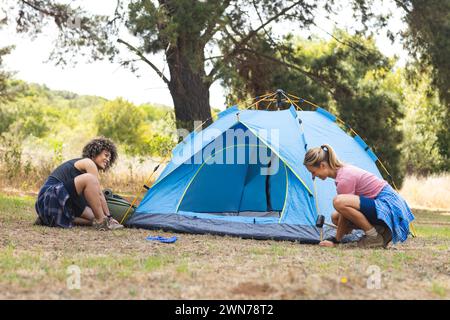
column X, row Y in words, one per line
column 96, row 146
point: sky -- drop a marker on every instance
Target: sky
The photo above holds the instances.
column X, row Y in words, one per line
column 103, row 78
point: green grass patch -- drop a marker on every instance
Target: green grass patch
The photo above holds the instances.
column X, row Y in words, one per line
column 120, row 266
column 26, row 263
column 386, row 259
column 107, row 262
column 8, row 203
column 132, row 292
column 379, row 257
column 278, row 250
column 439, row 290
column 442, row 247
column 13, row 208
column 275, row 250
column 257, row 251
column 429, row 231
column 402, row 260
column 155, row 262
column 22, row 267
column 11, row 259
column 183, row 268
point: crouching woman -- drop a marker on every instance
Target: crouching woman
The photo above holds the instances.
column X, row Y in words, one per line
column 363, row 201
column 72, row 194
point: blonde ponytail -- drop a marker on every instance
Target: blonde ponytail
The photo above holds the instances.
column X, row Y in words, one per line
column 315, row 156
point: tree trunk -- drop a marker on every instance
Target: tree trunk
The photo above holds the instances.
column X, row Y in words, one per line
column 189, row 88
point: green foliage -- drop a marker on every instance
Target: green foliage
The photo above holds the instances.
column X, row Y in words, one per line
column 131, row 125
column 355, row 69
column 443, row 141
column 427, row 38
column 37, row 111
column 375, row 115
column 344, row 75
column 155, row 113
column 30, row 121
column 57, row 147
column 11, row 155
column 41, row 128
column 7, row 117
column 187, row 33
column 5, row 93
column 423, row 123
column 120, row 120
column 153, row 144
column 398, row 113
column 184, row 30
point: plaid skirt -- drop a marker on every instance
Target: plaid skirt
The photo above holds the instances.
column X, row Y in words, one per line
column 395, row 212
column 51, row 204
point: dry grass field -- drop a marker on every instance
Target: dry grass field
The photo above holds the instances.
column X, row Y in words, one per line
column 431, row 192
column 34, row 261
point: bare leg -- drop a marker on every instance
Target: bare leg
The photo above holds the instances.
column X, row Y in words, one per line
column 88, row 185
column 335, row 218
column 348, row 206
column 343, row 227
column 85, row 219
column 104, row 204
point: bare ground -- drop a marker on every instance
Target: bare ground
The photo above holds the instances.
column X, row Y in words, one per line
column 122, row 265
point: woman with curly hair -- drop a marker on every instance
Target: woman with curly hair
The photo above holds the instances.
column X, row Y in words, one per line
column 72, row 194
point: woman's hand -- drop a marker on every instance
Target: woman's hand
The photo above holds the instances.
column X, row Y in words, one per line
column 326, row 243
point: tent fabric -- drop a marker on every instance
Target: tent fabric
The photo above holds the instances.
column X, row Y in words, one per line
column 244, row 176
column 193, row 143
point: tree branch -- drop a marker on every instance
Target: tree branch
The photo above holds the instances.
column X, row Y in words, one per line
column 261, row 20
column 249, row 36
column 211, row 28
column 213, row 57
column 117, row 15
column 38, row 8
column 345, row 43
column 402, row 5
column 310, row 75
column 143, row 58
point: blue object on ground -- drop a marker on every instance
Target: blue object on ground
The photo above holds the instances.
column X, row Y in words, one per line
column 162, row 239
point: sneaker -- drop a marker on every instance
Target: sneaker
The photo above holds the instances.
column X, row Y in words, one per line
column 371, row 242
column 114, row 224
column 107, row 224
column 385, row 233
column 101, row 226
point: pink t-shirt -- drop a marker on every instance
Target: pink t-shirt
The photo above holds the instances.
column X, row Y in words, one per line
column 353, row 180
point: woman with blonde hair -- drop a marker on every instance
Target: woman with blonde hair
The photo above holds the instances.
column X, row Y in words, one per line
column 363, row 201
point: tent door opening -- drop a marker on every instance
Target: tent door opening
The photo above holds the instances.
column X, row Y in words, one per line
column 253, row 185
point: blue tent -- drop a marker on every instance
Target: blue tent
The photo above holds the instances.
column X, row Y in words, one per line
column 244, row 176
